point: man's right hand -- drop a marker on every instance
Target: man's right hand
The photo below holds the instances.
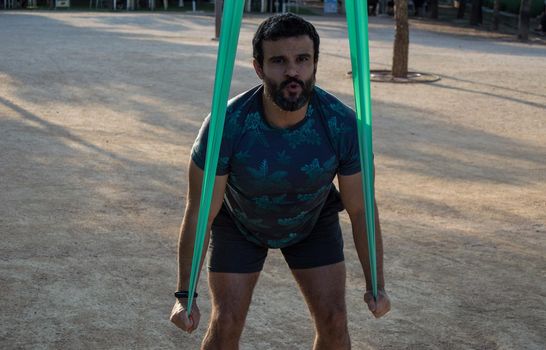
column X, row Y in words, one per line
column 179, row 315
column 378, row 307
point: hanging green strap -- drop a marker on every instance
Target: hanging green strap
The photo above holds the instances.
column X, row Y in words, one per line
column 357, row 21
column 229, row 36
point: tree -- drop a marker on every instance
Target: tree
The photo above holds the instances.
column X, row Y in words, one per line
column 218, row 10
column 401, row 40
column 523, row 22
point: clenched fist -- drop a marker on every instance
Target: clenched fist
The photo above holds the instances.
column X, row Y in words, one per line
column 380, row 306
column 179, row 316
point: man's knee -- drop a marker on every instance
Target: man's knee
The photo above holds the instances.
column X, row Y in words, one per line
column 224, row 332
column 228, row 321
column 333, row 320
column 332, row 331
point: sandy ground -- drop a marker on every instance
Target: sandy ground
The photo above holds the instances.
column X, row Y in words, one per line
column 97, row 116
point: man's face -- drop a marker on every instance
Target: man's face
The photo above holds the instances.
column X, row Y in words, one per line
column 288, row 71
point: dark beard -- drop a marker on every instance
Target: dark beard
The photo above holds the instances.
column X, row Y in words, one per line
column 275, row 93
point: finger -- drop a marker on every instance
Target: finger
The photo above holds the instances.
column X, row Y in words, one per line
column 196, row 317
column 178, row 321
column 368, row 296
column 191, row 325
column 381, row 313
column 383, row 307
column 369, row 300
column 194, row 322
column 386, row 311
column 188, row 323
column 372, row 305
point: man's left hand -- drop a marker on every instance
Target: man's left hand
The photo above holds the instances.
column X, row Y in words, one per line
column 380, row 306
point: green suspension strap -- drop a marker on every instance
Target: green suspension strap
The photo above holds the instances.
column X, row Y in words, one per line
column 229, row 36
column 357, row 22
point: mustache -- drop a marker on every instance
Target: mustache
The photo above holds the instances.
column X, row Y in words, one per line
column 292, row 80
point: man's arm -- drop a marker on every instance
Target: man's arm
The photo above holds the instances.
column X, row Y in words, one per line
column 353, row 200
column 189, row 223
column 187, row 240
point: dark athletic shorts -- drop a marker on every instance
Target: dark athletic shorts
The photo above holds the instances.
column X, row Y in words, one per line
column 230, row 251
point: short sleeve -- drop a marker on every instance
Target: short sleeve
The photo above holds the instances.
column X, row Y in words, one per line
column 199, row 150
column 349, row 162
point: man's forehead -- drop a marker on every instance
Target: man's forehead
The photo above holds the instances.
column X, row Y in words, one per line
column 294, row 45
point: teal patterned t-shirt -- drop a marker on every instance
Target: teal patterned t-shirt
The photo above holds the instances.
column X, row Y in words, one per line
column 279, row 179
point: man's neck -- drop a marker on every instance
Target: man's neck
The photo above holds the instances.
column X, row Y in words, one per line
column 279, row 118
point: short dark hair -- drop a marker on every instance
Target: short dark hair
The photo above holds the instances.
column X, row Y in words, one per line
column 284, row 25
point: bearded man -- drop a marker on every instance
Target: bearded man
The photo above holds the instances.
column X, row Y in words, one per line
column 283, row 143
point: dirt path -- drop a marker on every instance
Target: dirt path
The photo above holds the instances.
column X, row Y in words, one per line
column 97, row 116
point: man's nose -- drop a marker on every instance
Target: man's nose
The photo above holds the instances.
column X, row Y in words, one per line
column 292, row 69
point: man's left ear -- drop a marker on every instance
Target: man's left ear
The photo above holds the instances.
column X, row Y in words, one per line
column 259, row 70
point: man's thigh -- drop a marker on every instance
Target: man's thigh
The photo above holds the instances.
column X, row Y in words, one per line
column 232, row 293
column 323, row 288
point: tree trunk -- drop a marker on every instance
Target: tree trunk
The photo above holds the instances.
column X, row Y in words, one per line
column 523, row 22
column 401, row 40
column 218, row 10
column 462, row 9
column 434, row 9
column 496, row 15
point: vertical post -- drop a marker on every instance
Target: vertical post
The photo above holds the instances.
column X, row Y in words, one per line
column 523, row 20
column 218, row 9
column 496, row 8
column 401, row 40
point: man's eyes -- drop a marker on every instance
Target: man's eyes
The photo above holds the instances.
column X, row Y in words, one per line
column 279, row 60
